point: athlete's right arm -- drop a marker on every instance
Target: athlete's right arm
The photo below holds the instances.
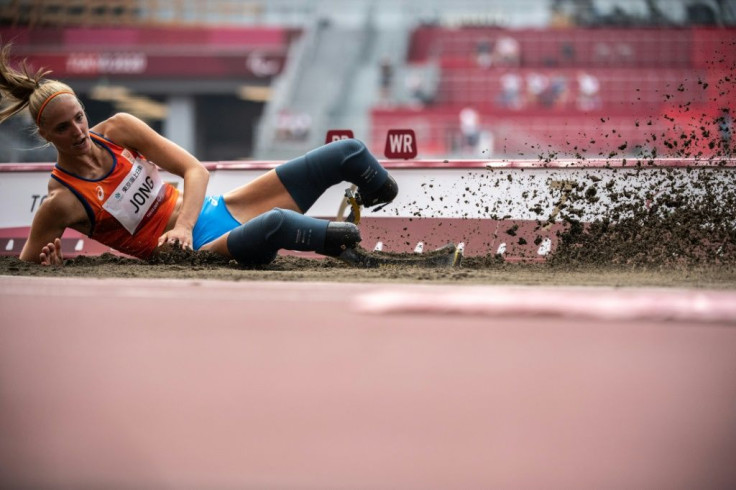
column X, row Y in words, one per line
column 59, row 210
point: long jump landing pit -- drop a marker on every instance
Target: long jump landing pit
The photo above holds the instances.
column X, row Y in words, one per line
column 112, row 383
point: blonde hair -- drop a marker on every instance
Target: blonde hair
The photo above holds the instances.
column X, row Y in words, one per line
column 24, row 89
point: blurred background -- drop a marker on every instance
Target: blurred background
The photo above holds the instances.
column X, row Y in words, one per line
column 265, row 79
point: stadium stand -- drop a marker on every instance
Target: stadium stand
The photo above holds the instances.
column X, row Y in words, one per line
column 556, row 90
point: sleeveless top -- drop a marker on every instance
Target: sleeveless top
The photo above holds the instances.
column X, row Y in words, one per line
column 129, row 208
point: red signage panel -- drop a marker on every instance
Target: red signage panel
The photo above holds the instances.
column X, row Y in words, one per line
column 401, row 143
column 338, row 134
column 138, row 63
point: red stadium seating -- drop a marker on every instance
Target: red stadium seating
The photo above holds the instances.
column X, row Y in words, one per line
column 636, row 75
column 621, row 90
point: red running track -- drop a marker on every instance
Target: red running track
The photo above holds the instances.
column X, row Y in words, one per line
column 127, row 383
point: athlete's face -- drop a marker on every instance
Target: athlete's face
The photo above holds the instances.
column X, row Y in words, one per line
column 64, row 124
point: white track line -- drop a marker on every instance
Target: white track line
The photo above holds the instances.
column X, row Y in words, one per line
column 595, row 303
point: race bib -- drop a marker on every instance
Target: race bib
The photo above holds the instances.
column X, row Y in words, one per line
column 136, row 195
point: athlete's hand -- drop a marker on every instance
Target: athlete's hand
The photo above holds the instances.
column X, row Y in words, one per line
column 51, row 254
column 178, row 234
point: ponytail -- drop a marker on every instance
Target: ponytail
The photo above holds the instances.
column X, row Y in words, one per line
column 25, row 89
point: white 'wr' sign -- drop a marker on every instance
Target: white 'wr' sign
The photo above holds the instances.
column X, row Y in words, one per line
column 401, row 143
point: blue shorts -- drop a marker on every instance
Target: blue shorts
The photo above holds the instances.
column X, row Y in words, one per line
column 213, row 222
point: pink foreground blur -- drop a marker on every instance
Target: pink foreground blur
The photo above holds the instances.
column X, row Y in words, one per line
column 128, row 383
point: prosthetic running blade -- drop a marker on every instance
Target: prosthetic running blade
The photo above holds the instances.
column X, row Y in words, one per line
column 353, row 199
column 449, row 255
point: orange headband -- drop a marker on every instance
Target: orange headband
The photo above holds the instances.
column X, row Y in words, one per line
column 48, row 99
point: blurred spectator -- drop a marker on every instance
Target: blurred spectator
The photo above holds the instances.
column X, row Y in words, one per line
column 419, row 94
column 506, row 52
column 484, row 53
column 588, row 92
column 510, row 96
column 386, row 80
column 469, row 130
column 619, row 54
column 475, row 141
column 556, row 94
column 536, row 84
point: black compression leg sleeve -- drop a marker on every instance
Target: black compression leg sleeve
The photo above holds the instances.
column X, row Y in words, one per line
column 309, row 176
column 258, row 241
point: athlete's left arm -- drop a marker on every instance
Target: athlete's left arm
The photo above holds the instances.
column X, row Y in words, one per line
column 130, row 132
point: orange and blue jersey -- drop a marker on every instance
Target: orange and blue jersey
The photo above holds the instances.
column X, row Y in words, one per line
column 129, row 208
